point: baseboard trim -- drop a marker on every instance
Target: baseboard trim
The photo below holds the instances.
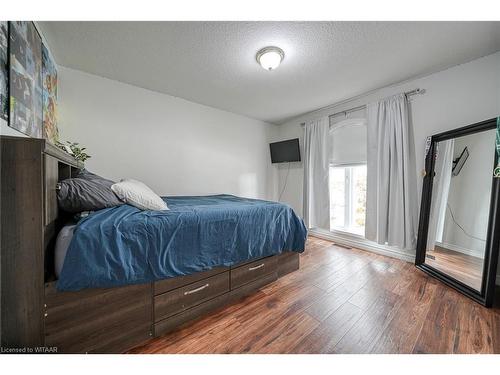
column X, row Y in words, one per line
column 363, row 244
column 459, row 249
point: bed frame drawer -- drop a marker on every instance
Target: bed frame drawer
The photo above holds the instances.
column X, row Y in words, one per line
column 198, row 312
column 252, row 271
column 178, row 300
column 167, row 285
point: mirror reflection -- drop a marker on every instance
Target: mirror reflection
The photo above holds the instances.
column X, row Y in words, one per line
column 458, row 221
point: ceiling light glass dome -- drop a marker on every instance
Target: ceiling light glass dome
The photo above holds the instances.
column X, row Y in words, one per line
column 270, row 57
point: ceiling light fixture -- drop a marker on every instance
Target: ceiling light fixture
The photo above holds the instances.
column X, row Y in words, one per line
column 270, row 57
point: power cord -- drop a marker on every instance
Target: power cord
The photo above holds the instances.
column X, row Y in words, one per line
column 458, row 225
column 286, row 181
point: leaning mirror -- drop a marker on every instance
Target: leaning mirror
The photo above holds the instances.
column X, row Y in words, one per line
column 458, row 236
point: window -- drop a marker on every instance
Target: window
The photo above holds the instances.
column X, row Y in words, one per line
column 348, row 198
column 348, row 176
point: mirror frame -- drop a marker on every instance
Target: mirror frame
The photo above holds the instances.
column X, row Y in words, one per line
column 486, row 294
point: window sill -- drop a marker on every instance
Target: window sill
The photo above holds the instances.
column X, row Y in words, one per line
column 346, row 233
column 360, row 242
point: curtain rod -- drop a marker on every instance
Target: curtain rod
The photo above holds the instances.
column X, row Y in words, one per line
column 416, row 91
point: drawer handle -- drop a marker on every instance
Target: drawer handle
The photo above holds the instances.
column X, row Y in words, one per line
column 197, row 289
column 256, row 267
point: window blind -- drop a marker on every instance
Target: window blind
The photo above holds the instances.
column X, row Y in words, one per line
column 348, row 140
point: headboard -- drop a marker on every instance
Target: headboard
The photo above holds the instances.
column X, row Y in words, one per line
column 30, row 221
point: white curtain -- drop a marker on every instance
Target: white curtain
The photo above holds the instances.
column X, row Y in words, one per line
column 440, row 189
column 391, row 203
column 316, row 174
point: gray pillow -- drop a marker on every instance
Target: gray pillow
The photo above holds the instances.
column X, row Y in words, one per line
column 86, row 192
column 86, row 175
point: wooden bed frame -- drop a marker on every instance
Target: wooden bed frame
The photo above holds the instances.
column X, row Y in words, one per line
column 38, row 318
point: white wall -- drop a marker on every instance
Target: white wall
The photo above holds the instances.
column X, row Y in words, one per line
column 175, row 146
column 7, row 130
column 469, row 195
column 455, row 97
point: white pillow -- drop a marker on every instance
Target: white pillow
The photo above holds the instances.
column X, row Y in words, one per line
column 138, row 195
column 62, row 244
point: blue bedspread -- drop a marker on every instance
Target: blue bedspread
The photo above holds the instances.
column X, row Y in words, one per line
column 123, row 245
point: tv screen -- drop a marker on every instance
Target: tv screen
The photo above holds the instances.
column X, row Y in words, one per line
column 460, row 161
column 285, row 151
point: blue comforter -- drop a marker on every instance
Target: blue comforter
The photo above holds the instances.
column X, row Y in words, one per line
column 123, row 245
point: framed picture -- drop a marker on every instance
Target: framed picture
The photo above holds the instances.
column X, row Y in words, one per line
column 4, row 65
column 49, row 83
column 25, row 79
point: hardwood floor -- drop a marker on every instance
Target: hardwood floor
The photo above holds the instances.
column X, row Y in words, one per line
column 343, row 301
column 465, row 268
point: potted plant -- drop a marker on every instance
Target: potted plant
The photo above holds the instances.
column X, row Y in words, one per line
column 74, row 149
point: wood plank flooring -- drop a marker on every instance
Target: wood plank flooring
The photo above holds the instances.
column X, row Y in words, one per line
column 343, row 301
column 465, row 268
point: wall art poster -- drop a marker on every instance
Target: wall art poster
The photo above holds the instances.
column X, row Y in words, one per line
column 49, row 78
column 25, row 79
column 4, row 101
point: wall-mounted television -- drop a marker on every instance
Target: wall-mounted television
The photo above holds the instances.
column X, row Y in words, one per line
column 459, row 162
column 285, row 151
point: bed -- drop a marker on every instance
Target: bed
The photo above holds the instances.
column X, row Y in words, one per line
column 124, row 245
column 127, row 275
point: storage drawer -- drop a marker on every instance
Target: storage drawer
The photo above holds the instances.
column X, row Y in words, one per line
column 252, row 271
column 167, row 285
column 178, row 300
column 196, row 312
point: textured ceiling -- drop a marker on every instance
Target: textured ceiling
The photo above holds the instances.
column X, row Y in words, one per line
column 213, row 63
